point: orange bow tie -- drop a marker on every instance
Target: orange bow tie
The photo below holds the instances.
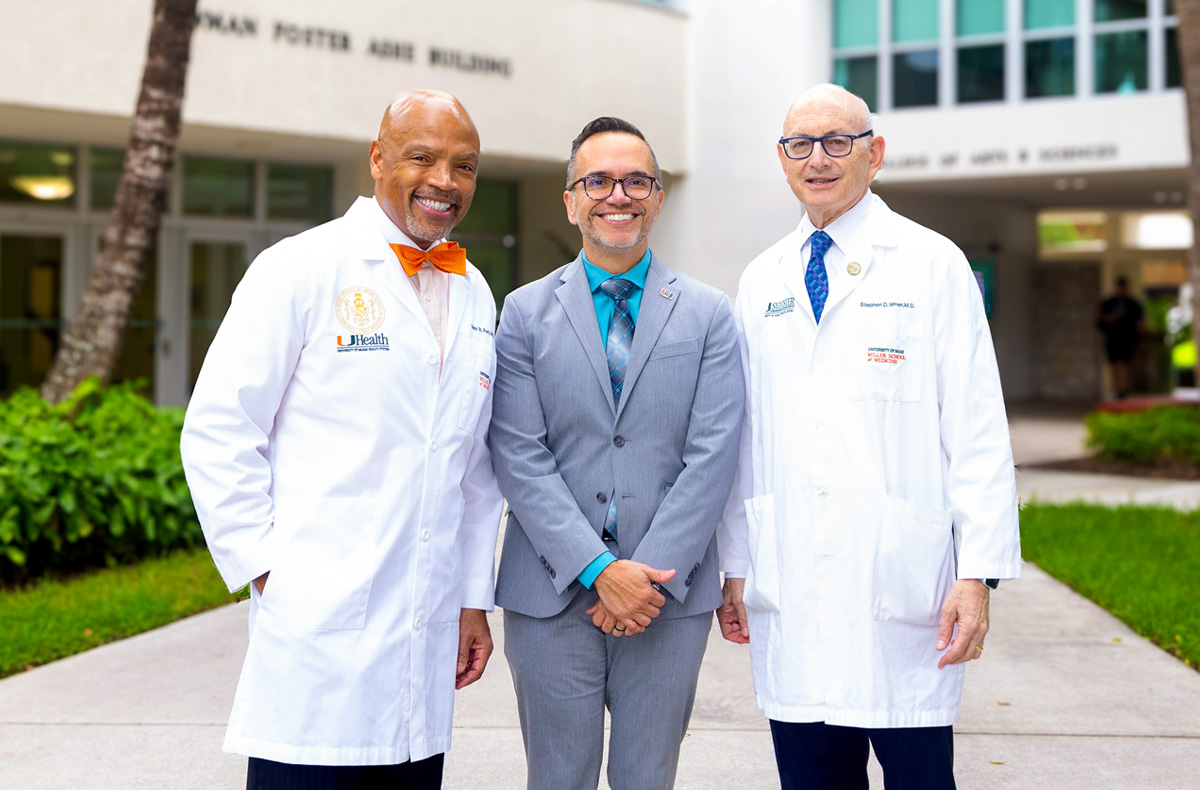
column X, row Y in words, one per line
column 447, row 256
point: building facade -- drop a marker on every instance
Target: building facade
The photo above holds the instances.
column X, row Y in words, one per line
column 1047, row 138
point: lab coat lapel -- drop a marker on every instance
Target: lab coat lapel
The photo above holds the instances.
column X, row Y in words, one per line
column 652, row 317
column 460, row 294
column 575, row 295
column 373, row 247
column 856, row 252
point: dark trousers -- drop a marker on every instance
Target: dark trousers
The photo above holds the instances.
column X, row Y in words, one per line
column 820, row 756
column 421, row 775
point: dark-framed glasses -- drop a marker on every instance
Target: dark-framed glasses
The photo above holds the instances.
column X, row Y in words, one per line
column 834, row 144
column 600, row 187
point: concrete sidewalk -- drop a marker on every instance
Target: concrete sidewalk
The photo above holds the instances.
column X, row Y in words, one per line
column 1066, row 698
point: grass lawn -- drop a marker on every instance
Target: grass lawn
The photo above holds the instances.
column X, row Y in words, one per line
column 1140, row 563
column 53, row 619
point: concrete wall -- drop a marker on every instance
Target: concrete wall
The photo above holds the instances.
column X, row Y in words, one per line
column 308, row 67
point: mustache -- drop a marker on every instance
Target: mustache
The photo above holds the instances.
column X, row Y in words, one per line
column 432, row 193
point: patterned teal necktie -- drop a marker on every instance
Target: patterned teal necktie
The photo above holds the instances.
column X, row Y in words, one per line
column 816, row 279
column 620, row 333
column 617, row 347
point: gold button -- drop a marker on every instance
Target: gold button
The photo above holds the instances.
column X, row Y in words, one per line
column 853, row 267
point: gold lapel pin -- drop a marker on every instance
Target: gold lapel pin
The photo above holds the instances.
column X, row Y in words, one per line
column 853, row 267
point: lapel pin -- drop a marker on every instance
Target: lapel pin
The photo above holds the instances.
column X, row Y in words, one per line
column 853, row 267
column 668, row 295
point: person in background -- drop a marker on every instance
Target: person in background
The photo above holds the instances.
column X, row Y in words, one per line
column 1120, row 319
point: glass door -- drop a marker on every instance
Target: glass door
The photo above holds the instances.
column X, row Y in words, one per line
column 214, row 270
column 31, row 273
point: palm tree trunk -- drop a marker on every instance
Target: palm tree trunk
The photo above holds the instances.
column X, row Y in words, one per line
column 1189, row 58
column 92, row 342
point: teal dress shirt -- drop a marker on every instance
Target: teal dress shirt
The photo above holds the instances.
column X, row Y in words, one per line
column 605, row 307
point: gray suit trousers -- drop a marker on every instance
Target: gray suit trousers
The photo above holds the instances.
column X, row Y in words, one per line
column 566, row 671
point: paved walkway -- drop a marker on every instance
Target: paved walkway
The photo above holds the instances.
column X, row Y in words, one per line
column 1067, row 697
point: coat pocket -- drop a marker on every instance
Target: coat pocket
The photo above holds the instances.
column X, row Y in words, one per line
column 323, row 563
column 762, row 578
column 914, row 563
column 887, row 361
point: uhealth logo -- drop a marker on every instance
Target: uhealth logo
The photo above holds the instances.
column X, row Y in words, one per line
column 377, row 342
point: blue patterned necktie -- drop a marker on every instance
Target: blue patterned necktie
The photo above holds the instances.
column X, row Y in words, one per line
column 816, row 279
column 620, row 333
column 617, row 348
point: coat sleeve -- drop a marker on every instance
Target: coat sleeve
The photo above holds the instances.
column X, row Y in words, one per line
column 525, row 467
column 481, row 513
column 231, row 413
column 733, row 533
column 980, row 477
column 683, row 526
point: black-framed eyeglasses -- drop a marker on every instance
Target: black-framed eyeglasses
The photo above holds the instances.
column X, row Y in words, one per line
column 600, row 187
column 834, row 144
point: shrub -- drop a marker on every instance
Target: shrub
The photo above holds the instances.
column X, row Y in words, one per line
column 1165, row 433
column 95, row 480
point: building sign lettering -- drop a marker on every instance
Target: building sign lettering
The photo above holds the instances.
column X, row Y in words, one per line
column 314, row 37
column 993, row 158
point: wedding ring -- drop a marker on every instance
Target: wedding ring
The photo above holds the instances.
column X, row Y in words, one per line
column 979, row 648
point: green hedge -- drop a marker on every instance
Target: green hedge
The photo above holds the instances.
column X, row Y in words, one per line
column 93, row 481
column 1168, row 432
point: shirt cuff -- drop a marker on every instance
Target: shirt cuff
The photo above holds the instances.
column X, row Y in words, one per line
column 593, row 570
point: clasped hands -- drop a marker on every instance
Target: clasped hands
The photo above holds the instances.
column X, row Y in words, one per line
column 628, row 600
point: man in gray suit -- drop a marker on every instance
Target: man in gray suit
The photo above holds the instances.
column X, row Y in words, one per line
column 616, row 415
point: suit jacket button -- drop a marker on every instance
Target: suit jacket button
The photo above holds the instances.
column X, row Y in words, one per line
column 602, row 497
column 619, row 441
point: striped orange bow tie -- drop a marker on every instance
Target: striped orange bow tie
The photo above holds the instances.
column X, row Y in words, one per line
column 447, row 256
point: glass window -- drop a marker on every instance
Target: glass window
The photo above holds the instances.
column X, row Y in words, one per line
column 299, row 192
column 107, row 164
column 915, row 78
column 1174, row 77
column 914, row 20
column 1110, row 10
column 1050, row 67
column 1170, row 9
column 493, row 209
column 30, row 308
column 218, row 187
column 30, row 173
column 1072, row 232
column 981, row 73
column 1121, row 62
column 979, row 17
column 137, row 348
column 1049, row 13
column 855, row 23
column 860, row 76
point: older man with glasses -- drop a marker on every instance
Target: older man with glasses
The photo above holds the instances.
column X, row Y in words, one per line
column 875, row 506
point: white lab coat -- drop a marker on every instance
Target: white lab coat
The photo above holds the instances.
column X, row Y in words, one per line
column 870, row 445
column 326, row 450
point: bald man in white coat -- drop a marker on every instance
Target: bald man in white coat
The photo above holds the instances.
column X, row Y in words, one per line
column 875, row 502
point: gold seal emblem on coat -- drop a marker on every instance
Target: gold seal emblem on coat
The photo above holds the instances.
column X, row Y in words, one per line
column 359, row 309
column 853, row 268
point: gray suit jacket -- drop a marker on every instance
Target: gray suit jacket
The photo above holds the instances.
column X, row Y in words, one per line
column 560, row 447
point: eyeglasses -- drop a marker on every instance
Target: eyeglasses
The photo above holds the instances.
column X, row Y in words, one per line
column 834, row 144
column 600, row 187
